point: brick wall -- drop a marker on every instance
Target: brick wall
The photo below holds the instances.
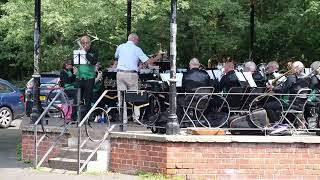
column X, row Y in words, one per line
column 132, row 155
column 221, row 161
column 27, row 143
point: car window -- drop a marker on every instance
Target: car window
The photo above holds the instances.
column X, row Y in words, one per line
column 49, row 80
column 5, row 88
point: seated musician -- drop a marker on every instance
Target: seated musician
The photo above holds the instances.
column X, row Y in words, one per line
column 192, row 79
column 272, row 67
column 68, row 78
column 312, row 106
column 315, row 78
column 295, row 81
column 229, row 80
column 250, row 66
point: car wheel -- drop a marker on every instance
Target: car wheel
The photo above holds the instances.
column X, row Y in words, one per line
column 5, row 117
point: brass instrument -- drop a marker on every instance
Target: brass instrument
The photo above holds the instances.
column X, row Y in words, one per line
column 202, row 67
column 159, row 52
column 210, row 63
column 274, row 81
column 78, row 41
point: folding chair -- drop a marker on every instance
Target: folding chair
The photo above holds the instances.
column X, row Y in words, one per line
column 198, row 103
column 234, row 101
column 253, row 94
column 296, row 108
column 137, row 100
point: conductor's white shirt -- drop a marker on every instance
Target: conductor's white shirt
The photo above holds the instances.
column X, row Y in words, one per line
column 128, row 55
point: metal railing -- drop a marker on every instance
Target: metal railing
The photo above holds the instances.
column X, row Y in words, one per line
column 80, row 144
column 242, row 110
column 55, row 141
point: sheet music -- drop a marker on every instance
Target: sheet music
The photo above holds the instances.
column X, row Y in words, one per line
column 181, row 70
column 248, row 76
column 166, row 76
column 79, row 57
column 179, row 79
column 218, row 74
column 210, row 74
column 240, row 76
column 307, row 70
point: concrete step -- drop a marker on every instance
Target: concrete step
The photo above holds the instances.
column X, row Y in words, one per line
column 64, row 163
column 72, row 153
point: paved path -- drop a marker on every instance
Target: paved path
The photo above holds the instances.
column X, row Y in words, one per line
column 11, row 169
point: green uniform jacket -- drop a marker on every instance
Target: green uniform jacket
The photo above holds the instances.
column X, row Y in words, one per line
column 88, row 71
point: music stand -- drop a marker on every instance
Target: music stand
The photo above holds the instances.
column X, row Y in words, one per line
column 242, row 80
column 79, row 57
column 163, row 65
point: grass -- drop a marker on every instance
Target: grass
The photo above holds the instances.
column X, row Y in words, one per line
column 28, row 161
column 19, row 155
column 158, row 176
column 18, row 152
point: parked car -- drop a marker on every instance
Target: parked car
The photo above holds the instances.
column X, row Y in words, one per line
column 48, row 81
column 11, row 103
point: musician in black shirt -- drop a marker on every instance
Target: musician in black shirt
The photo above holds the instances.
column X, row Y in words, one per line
column 315, row 78
column 272, row 67
column 295, row 82
column 195, row 77
column 192, row 80
column 250, row 66
column 229, row 80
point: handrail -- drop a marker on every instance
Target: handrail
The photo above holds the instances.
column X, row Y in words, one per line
column 106, row 135
column 55, row 142
column 80, row 145
column 92, row 109
column 37, row 142
column 47, row 108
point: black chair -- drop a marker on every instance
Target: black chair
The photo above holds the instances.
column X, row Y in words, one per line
column 234, row 100
column 197, row 103
column 253, row 93
column 295, row 108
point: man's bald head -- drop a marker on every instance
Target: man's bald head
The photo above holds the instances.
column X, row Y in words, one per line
column 134, row 38
column 194, row 63
column 228, row 66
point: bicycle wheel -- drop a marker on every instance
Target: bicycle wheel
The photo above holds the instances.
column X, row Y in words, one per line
column 97, row 124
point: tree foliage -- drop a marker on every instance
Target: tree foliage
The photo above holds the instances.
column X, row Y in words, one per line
column 206, row 28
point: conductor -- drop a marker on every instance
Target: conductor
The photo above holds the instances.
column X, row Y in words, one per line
column 129, row 55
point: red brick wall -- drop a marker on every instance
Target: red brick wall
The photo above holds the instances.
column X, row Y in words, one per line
column 131, row 156
column 27, row 143
column 221, row 161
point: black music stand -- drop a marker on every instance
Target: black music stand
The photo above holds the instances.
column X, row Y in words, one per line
column 163, row 65
column 110, row 75
column 79, row 57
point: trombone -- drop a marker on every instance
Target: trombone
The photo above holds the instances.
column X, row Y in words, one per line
column 274, row 81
